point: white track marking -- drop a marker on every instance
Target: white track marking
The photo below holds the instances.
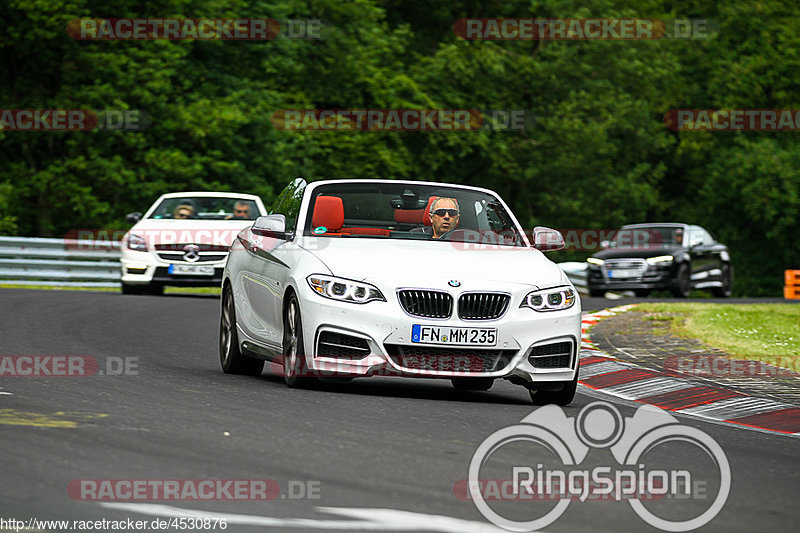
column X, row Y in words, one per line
column 648, row 387
column 595, row 369
column 361, row 519
column 733, row 408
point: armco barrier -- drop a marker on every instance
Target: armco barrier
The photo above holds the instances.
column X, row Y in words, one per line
column 35, row 261
column 792, row 289
column 576, row 272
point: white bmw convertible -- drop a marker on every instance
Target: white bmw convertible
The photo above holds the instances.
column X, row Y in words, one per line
column 358, row 278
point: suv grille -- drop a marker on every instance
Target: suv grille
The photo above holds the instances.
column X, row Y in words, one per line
column 556, row 355
column 426, row 304
column 332, row 344
column 482, row 305
column 449, row 359
column 632, row 268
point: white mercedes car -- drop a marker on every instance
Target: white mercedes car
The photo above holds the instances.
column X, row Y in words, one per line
column 183, row 240
column 358, row 278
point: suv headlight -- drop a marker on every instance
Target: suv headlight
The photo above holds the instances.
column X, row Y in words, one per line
column 344, row 290
column 136, row 243
column 556, row 299
column 595, row 261
column 660, row 260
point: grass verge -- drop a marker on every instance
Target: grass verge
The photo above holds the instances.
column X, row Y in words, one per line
column 763, row 332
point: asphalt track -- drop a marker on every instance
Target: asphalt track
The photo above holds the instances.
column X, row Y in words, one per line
column 384, row 453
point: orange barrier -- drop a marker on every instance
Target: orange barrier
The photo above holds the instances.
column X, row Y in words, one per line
column 792, row 289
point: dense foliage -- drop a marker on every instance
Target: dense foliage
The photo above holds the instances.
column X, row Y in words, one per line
column 599, row 154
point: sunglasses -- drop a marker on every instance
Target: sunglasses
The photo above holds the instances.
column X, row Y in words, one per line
column 182, row 215
column 242, row 211
column 443, row 212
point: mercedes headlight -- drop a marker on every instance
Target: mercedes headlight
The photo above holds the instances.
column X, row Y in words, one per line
column 344, row 290
column 556, row 299
column 136, row 243
column 660, row 260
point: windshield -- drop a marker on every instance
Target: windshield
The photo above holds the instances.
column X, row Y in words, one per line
column 403, row 211
column 647, row 237
column 206, row 208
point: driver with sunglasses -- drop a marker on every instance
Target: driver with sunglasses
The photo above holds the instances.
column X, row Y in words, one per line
column 444, row 218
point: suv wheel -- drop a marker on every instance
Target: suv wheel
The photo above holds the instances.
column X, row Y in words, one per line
column 727, row 283
column 682, row 284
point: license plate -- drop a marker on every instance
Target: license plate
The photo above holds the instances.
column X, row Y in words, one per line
column 191, row 270
column 457, row 336
column 623, row 273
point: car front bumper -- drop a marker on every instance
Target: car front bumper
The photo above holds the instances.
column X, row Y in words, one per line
column 654, row 278
column 525, row 349
column 146, row 268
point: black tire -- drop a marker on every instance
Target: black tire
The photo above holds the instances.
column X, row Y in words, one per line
column 597, row 293
column 682, row 284
column 295, row 370
column 133, row 289
column 727, row 283
column 561, row 397
column 475, row 384
column 642, row 293
column 231, row 358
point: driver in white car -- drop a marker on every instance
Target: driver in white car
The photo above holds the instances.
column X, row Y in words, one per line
column 444, row 216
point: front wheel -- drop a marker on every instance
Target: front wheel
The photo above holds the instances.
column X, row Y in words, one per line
column 727, row 283
column 561, row 397
column 682, row 284
column 295, row 370
column 231, row 358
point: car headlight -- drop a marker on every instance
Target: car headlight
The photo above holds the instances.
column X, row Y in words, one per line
column 555, row 299
column 344, row 290
column 136, row 243
column 660, row 259
column 595, row 261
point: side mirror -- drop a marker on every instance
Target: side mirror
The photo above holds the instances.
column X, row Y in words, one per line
column 133, row 218
column 270, row 226
column 547, row 240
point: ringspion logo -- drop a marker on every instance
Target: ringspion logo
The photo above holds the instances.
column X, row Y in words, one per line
column 549, row 464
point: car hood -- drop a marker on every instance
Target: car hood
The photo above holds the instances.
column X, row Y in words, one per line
column 170, row 231
column 397, row 263
column 638, row 253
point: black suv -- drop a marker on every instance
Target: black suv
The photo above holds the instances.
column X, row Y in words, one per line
column 677, row 257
